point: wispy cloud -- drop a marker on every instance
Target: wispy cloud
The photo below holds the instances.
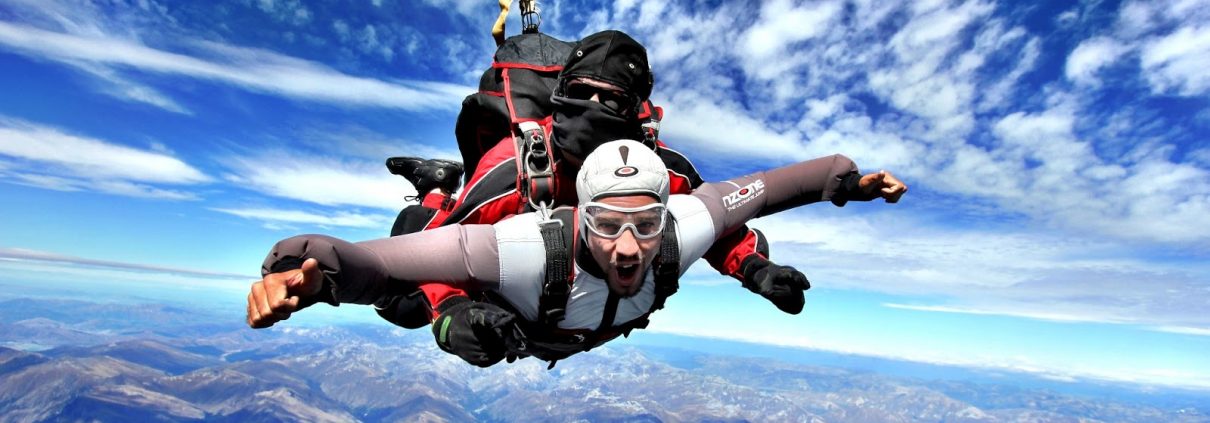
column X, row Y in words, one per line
column 319, row 179
column 341, row 219
column 289, row 11
column 363, row 143
column 1183, row 330
column 253, row 69
column 1050, row 315
column 19, row 254
column 1091, row 56
column 1177, row 62
column 1054, row 317
column 113, row 84
column 1024, row 274
column 50, row 158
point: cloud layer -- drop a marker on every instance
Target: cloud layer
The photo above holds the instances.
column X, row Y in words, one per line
column 50, row 158
column 253, row 69
column 950, row 96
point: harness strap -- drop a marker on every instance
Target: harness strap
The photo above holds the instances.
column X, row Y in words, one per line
column 650, row 117
column 557, row 234
column 608, row 314
column 668, row 267
column 535, row 166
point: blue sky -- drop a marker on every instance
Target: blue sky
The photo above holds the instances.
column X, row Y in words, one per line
column 1058, row 155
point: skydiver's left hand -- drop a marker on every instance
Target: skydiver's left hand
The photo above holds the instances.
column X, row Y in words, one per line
column 883, row 184
column 781, row 285
column 477, row 332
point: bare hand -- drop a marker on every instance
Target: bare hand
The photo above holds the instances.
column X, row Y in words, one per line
column 275, row 297
column 887, row 185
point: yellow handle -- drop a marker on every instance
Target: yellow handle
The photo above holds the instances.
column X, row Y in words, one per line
column 498, row 28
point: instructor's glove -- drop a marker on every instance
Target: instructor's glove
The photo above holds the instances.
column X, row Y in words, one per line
column 477, row 332
column 781, row 285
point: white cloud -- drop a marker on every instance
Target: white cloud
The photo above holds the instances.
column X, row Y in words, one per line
column 780, row 26
column 1138, row 17
column 720, row 128
column 622, row 6
column 985, row 268
column 252, row 69
column 1091, row 56
column 49, row 158
column 321, row 180
column 362, row 143
column 1183, row 330
column 343, row 219
column 1049, row 316
column 1177, row 63
column 922, row 80
column 1000, row 94
column 289, row 11
column 88, row 156
column 1201, row 156
column 35, row 256
column 115, row 85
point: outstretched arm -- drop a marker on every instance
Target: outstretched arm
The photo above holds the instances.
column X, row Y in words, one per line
column 833, row 178
column 730, row 204
column 345, row 272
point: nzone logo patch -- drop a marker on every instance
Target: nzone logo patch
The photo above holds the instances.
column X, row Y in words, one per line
column 743, row 195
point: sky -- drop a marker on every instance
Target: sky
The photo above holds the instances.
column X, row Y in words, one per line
column 1057, row 153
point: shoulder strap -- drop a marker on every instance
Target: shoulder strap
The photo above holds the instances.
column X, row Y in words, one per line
column 668, row 266
column 650, row 116
column 535, row 167
column 558, row 237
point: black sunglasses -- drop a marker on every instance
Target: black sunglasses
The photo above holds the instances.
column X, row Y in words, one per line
column 618, row 101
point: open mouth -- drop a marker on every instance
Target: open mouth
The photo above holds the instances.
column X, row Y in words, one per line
column 628, row 272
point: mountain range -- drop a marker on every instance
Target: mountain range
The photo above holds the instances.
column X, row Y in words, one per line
column 81, row 361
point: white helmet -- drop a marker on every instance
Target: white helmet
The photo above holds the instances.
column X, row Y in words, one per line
column 622, row 167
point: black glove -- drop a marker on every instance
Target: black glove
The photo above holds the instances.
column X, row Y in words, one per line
column 477, row 332
column 781, row 285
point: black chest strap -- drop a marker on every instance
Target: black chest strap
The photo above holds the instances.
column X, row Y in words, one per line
column 667, row 266
column 558, row 237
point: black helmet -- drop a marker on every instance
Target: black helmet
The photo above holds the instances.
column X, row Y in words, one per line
column 610, row 56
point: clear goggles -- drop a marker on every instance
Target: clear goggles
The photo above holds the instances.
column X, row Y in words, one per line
column 608, row 221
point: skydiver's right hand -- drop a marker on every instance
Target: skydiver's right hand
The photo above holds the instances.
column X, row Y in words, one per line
column 278, row 295
column 883, row 184
column 474, row 331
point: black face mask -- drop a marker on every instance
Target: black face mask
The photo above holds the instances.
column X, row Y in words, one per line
column 582, row 125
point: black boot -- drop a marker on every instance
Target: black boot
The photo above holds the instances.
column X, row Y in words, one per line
column 426, row 174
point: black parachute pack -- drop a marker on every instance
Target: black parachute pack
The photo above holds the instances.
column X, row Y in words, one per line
column 514, row 99
column 516, row 88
